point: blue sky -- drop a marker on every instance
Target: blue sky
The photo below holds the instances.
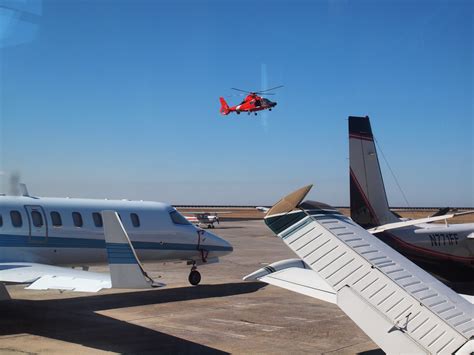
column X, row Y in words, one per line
column 119, row 99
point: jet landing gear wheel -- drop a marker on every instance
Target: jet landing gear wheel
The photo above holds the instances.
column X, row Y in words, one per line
column 194, row 277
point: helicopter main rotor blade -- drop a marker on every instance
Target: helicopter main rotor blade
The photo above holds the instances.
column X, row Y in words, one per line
column 248, row 92
column 262, row 91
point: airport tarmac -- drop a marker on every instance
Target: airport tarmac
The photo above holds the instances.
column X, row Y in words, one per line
column 222, row 315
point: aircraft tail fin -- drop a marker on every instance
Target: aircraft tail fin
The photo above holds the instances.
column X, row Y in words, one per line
column 224, row 107
column 369, row 204
column 126, row 271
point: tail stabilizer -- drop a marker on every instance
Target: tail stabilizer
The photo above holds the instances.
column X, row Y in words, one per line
column 224, row 107
column 369, row 204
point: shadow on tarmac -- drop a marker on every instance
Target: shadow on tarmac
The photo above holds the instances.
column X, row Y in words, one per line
column 74, row 320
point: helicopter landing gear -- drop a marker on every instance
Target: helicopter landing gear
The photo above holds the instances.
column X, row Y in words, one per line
column 194, row 276
column 255, row 113
column 238, row 112
column 269, row 109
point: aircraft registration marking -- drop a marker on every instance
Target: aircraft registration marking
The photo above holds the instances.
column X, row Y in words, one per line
column 442, row 239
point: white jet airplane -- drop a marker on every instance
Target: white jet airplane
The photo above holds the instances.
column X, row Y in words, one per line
column 442, row 249
column 401, row 307
column 39, row 237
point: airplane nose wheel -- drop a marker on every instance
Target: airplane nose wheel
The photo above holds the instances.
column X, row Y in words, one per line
column 194, row 276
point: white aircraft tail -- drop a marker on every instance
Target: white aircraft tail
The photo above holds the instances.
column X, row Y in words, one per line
column 126, row 270
column 369, row 204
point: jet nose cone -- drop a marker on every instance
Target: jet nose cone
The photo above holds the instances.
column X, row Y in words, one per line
column 217, row 245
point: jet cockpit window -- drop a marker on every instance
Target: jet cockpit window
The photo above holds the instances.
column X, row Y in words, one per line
column 135, row 220
column 97, row 217
column 17, row 221
column 77, row 219
column 178, row 218
column 56, row 219
column 37, row 219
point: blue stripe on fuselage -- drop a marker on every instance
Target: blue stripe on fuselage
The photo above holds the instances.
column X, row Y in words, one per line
column 120, row 253
column 61, row 242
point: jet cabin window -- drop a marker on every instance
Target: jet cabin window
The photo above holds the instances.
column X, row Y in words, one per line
column 77, row 218
column 1, row 221
column 37, row 219
column 135, row 220
column 97, row 217
column 15, row 216
column 56, row 219
column 177, row 218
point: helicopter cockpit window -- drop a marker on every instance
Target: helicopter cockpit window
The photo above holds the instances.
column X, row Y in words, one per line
column 258, row 103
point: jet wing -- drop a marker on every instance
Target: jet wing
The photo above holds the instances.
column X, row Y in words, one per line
column 48, row 277
column 412, row 222
column 400, row 306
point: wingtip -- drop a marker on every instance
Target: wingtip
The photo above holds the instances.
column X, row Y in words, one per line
column 290, row 201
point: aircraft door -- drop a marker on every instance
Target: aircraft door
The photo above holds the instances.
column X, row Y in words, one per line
column 38, row 224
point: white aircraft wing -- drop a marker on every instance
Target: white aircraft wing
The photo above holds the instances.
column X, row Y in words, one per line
column 397, row 304
column 412, row 222
column 48, row 277
column 295, row 275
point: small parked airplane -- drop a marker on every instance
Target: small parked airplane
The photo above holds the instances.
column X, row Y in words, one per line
column 37, row 234
column 442, row 249
column 401, row 307
column 200, row 218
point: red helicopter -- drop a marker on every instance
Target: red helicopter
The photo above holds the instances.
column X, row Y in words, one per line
column 253, row 102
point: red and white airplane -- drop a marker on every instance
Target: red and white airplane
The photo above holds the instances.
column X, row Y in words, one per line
column 201, row 218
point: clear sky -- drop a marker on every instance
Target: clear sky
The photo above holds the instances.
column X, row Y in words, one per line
column 119, row 99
